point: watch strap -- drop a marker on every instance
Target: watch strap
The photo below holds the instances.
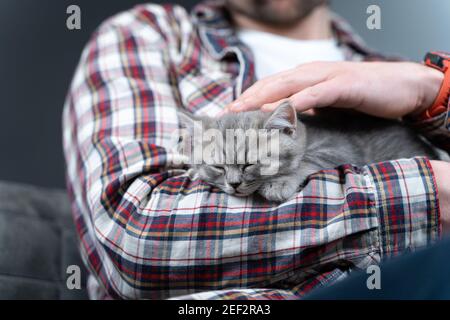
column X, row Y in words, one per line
column 441, row 62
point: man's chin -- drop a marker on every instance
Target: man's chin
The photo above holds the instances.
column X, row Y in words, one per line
column 282, row 10
column 278, row 13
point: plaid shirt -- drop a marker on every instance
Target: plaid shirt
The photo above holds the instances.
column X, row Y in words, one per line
column 147, row 231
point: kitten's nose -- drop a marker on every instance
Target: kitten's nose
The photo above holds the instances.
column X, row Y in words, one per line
column 235, row 185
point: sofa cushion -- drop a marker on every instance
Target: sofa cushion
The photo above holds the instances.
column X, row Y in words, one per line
column 37, row 244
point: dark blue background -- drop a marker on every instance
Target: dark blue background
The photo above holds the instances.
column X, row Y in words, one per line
column 38, row 56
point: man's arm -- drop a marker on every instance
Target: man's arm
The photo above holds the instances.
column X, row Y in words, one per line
column 383, row 89
column 148, row 231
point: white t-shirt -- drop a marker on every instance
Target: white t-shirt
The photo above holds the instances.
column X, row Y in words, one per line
column 274, row 53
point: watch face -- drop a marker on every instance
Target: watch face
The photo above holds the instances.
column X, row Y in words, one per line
column 436, row 59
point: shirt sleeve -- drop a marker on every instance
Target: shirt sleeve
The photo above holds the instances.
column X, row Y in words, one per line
column 147, row 231
column 436, row 129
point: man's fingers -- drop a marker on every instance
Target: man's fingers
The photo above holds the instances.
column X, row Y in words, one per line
column 277, row 87
column 272, row 106
column 324, row 94
column 310, row 112
column 262, row 92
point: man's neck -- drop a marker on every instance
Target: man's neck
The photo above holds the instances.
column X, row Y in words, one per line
column 316, row 26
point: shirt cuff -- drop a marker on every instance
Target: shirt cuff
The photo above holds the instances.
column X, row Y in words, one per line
column 436, row 129
column 407, row 205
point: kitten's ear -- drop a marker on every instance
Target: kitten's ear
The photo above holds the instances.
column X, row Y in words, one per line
column 192, row 174
column 283, row 118
column 188, row 121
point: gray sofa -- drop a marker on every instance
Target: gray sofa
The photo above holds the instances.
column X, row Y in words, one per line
column 37, row 244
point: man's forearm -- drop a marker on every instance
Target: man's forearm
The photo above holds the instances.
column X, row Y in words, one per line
column 441, row 172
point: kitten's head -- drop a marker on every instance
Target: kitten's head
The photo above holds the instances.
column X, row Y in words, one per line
column 240, row 151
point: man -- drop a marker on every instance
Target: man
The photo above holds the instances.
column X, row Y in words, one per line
column 148, row 231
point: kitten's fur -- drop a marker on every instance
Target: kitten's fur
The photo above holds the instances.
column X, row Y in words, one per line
column 307, row 144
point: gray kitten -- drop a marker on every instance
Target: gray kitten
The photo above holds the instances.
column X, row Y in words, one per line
column 307, row 144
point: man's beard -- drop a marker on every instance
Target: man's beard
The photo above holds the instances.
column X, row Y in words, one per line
column 265, row 11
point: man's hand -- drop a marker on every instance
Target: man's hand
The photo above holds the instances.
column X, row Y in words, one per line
column 441, row 173
column 383, row 89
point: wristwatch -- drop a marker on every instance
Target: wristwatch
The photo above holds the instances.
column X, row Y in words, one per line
column 441, row 62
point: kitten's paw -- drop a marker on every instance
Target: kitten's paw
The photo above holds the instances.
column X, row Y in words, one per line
column 278, row 191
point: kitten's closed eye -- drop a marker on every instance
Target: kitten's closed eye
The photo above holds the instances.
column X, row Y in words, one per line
column 247, row 167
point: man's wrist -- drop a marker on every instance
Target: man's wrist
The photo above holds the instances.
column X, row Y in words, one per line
column 431, row 83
